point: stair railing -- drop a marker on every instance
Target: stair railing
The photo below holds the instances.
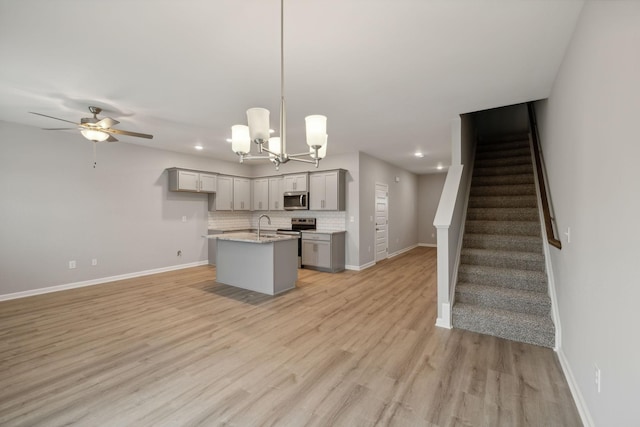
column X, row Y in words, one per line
column 542, row 183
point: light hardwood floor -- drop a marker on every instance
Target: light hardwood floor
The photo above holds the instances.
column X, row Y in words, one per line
column 348, row 349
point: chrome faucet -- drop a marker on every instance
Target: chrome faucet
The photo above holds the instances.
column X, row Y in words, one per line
column 262, row 216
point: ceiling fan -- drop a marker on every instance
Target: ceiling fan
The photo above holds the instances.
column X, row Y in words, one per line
column 97, row 130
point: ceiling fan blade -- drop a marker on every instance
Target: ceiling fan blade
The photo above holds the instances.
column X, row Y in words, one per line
column 106, row 123
column 126, row 132
column 111, row 139
column 59, row 128
column 51, row 117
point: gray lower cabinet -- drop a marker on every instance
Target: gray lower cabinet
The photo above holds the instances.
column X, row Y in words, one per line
column 323, row 251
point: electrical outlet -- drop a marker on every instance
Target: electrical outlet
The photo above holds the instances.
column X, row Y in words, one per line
column 598, row 377
column 72, row 264
column 179, row 253
column 184, row 218
column 94, row 261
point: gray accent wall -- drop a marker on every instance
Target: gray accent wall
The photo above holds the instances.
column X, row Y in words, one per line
column 56, row 207
column 403, row 206
column 429, row 192
column 590, row 142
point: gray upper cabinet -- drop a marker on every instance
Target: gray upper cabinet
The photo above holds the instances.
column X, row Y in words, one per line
column 260, row 194
column 241, row 194
column 192, row 181
column 296, row 182
column 224, row 195
column 327, row 191
column 276, row 194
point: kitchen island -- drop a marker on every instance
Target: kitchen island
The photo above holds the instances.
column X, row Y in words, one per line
column 267, row 264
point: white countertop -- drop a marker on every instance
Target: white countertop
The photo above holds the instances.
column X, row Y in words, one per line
column 265, row 237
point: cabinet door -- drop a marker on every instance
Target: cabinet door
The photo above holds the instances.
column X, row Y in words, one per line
column 295, row 182
column 276, row 194
column 208, row 183
column 301, row 183
column 188, row 181
column 316, row 254
column 260, row 194
column 289, row 183
column 241, row 194
column 316, row 192
column 330, row 192
column 323, row 254
column 224, row 194
column 309, row 253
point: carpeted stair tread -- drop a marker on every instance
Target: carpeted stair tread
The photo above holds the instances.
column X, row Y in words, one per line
column 507, row 161
column 503, row 259
column 502, row 214
column 507, row 152
column 502, row 170
column 504, row 242
column 504, row 277
column 502, row 146
column 528, row 328
column 514, row 228
column 518, row 300
column 503, row 190
column 522, row 201
column 515, row 179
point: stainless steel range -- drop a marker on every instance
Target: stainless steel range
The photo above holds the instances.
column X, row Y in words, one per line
column 297, row 226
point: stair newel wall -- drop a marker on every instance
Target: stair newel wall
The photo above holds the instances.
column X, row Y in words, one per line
column 450, row 216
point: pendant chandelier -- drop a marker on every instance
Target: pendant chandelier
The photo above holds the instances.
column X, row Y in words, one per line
column 276, row 147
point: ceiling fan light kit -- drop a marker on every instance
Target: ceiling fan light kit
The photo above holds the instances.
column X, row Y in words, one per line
column 276, row 147
column 97, row 130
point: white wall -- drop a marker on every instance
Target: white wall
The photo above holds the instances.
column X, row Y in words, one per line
column 56, row 207
column 403, row 206
column 429, row 191
column 591, row 146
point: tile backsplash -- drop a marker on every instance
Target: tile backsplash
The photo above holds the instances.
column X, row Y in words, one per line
column 328, row 220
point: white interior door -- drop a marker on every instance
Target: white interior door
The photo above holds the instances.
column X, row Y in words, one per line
column 382, row 221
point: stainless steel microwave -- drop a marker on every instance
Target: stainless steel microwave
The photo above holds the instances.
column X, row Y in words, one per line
column 296, row 200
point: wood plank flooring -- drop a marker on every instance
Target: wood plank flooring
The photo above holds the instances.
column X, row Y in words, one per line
column 348, row 349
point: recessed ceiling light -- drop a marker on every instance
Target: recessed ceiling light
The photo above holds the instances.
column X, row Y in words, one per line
column 272, row 131
column 418, row 154
column 439, row 167
column 199, row 147
column 229, row 140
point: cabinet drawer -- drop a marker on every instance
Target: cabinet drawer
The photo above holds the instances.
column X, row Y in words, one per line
column 314, row 236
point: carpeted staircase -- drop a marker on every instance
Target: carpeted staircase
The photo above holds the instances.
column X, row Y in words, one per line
column 502, row 282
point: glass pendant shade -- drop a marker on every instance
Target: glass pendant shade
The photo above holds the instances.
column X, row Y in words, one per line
column 94, row 135
column 274, row 146
column 316, row 130
column 240, row 141
column 258, row 119
column 322, row 151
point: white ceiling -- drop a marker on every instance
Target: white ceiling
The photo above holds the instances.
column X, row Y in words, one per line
column 389, row 74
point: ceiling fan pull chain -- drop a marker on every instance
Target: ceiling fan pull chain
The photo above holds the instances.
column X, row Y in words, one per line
column 94, row 154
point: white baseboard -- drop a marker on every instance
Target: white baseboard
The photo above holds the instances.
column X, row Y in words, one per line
column 428, row 245
column 445, row 320
column 360, row 267
column 401, row 251
column 583, row 410
column 99, row 281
